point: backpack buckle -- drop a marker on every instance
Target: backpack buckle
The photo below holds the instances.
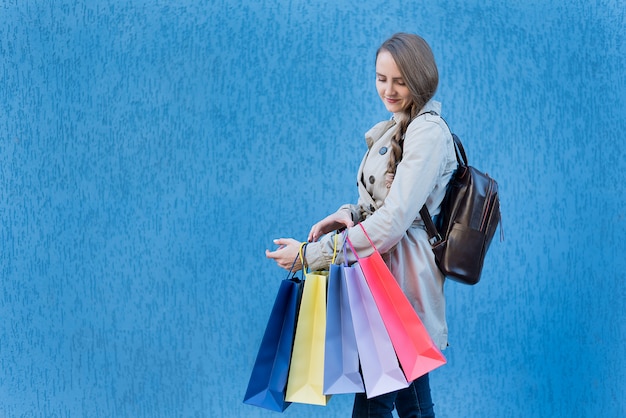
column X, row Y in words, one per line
column 434, row 240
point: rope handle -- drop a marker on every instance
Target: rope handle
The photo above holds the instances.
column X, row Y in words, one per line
column 291, row 273
column 334, row 248
column 368, row 237
column 302, row 253
column 345, row 252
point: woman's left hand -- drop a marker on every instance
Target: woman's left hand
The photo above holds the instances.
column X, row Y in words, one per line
column 288, row 249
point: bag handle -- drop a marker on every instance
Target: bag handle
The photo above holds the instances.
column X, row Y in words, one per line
column 301, row 253
column 353, row 251
column 291, row 274
column 345, row 253
column 335, row 247
column 344, row 236
column 366, row 236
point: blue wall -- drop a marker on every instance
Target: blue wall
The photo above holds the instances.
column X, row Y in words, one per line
column 150, row 151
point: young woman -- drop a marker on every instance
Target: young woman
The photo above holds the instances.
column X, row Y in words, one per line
column 409, row 162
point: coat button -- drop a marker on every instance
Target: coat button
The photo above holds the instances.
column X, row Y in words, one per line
column 372, row 180
column 383, row 151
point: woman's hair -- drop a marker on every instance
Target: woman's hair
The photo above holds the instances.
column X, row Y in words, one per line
column 417, row 66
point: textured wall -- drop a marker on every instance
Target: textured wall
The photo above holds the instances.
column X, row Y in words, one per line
column 150, row 151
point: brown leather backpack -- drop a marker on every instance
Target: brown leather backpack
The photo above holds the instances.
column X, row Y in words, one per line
column 470, row 213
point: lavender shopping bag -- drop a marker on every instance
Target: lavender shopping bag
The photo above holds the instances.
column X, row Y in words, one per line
column 379, row 364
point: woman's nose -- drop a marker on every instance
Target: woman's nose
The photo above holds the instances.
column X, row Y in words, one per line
column 389, row 89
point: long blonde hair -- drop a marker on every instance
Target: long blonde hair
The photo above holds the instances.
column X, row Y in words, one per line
column 417, row 66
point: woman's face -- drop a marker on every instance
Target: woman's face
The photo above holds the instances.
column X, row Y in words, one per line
column 390, row 85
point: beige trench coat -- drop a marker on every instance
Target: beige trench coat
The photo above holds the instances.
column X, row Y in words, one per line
column 391, row 215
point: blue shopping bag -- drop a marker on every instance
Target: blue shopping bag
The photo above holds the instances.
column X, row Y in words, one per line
column 268, row 380
column 341, row 363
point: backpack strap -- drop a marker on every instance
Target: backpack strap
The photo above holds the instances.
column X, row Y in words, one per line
column 461, row 157
column 434, row 237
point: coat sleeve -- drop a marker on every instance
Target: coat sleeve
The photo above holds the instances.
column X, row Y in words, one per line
column 423, row 161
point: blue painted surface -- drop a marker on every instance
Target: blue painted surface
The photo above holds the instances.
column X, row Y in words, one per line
column 150, row 151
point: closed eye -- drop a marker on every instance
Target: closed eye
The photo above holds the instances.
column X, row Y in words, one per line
column 382, row 78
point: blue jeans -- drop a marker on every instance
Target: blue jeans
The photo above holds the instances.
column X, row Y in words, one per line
column 412, row 402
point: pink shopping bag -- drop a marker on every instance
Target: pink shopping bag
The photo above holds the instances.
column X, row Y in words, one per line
column 416, row 350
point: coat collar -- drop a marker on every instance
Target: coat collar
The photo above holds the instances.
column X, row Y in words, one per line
column 430, row 106
column 378, row 130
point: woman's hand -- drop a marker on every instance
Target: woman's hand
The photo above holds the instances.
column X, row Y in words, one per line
column 340, row 219
column 288, row 249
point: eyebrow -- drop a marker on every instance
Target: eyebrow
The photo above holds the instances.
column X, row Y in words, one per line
column 393, row 78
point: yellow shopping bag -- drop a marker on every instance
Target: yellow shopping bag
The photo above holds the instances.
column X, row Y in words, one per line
column 305, row 383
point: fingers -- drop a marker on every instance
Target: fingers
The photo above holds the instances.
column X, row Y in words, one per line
column 328, row 225
column 276, row 256
column 285, row 254
column 281, row 242
column 317, row 231
column 314, row 234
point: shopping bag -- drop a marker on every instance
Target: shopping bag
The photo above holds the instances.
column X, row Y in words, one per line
column 268, row 380
column 341, row 362
column 305, row 383
column 416, row 350
column 379, row 364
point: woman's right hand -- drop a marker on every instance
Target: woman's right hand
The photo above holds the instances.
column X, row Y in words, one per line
column 338, row 220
